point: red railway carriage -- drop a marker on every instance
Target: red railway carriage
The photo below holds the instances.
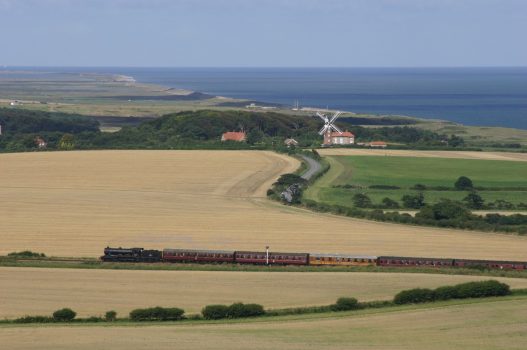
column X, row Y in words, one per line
column 191, row 255
column 489, row 264
column 274, row 258
column 403, row 261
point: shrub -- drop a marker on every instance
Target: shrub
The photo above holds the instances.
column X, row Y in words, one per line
column 93, row 319
column 482, row 289
column 157, row 314
column 345, row 304
column 110, row 316
column 414, row 296
column 64, row 315
column 215, row 312
column 238, row 310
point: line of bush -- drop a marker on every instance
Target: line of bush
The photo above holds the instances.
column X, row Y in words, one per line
column 66, row 315
column 236, row 310
column 157, row 314
column 480, row 289
column 26, row 254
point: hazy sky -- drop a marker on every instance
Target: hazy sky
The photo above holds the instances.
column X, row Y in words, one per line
column 352, row 33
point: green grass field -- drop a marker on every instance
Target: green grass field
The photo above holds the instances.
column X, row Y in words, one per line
column 405, row 172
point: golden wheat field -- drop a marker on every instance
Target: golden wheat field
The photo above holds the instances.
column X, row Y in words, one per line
column 77, row 203
column 491, row 325
column 36, row 291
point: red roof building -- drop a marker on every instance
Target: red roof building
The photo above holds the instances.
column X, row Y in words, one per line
column 238, row 136
column 337, row 138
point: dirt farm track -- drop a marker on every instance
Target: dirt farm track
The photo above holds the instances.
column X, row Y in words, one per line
column 76, row 203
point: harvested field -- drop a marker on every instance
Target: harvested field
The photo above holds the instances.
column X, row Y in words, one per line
column 415, row 153
column 76, row 203
column 489, row 325
column 32, row 291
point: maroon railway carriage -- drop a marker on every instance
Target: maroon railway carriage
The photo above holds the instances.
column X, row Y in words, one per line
column 274, row 258
column 489, row 264
column 402, row 261
column 192, row 255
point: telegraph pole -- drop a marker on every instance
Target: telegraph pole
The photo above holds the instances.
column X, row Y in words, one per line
column 267, row 255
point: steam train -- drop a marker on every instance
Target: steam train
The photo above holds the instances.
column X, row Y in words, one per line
column 301, row 259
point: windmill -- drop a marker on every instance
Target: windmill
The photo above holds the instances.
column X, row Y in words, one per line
column 328, row 126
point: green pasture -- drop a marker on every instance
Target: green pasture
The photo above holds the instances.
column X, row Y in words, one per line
column 405, row 172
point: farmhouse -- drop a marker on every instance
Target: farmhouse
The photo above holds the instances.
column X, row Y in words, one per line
column 238, row 136
column 337, row 138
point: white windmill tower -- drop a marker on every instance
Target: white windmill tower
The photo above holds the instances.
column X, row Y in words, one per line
column 328, row 126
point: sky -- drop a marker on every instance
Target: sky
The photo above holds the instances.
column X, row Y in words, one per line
column 263, row 33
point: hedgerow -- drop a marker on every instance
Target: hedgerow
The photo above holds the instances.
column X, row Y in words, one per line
column 480, row 289
column 157, row 314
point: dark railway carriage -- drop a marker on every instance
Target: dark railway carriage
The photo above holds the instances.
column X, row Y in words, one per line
column 274, row 258
column 489, row 264
column 341, row 260
column 402, row 261
column 131, row 255
column 205, row 256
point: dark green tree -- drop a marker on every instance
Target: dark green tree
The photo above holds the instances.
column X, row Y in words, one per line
column 255, row 136
column 389, row 203
column 414, row 202
column 463, row 183
column 474, row 201
column 110, row 316
column 456, row 141
column 361, row 200
column 64, row 315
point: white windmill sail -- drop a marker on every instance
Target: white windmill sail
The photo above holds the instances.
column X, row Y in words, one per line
column 329, row 123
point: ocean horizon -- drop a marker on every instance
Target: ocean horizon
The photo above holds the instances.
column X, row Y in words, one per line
column 491, row 96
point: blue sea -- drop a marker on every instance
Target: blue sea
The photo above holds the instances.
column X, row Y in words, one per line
column 472, row 96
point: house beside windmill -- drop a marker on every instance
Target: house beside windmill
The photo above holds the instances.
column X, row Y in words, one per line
column 238, row 136
column 338, row 138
